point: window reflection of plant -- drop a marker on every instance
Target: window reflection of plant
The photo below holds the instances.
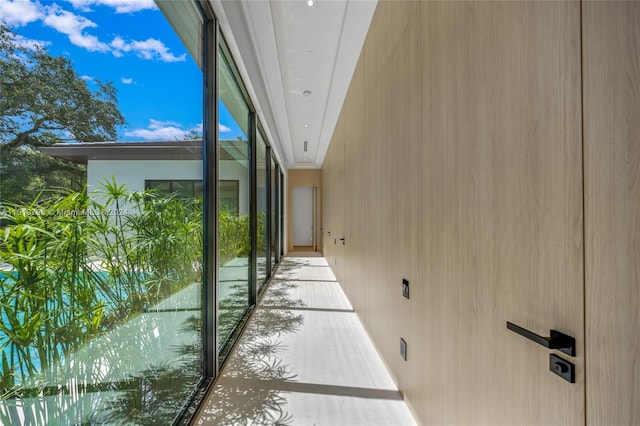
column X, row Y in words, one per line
column 233, row 236
column 150, row 397
column 234, row 243
column 78, row 268
column 157, row 395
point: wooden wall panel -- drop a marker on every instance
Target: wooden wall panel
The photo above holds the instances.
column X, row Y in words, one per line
column 355, row 190
column 333, row 205
column 458, row 162
column 611, row 40
column 502, row 209
column 390, row 116
column 467, row 180
column 303, row 179
column 393, row 134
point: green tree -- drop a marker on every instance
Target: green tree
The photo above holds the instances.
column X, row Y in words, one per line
column 43, row 101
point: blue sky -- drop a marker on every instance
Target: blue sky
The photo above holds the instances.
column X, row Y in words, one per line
column 129, row 43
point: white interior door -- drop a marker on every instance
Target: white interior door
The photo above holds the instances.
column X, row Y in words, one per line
column 302, row 216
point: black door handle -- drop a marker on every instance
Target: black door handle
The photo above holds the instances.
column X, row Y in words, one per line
column 556, row 339
column 342, row 239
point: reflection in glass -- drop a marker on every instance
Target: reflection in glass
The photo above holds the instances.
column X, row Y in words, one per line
column 109, row 329
column 273, row 206
column 281, row 216
column 234, row 244
column 261, row 157
column 100, row 276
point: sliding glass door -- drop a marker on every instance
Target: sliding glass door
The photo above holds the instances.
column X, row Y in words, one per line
column 262, row 202
column 234, row 240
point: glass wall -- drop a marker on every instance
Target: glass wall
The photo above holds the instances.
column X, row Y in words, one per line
column 281, row 202
column 102, row 242
column 262, row 200
column 274, row 213
column 101, row 246
column 234, row 242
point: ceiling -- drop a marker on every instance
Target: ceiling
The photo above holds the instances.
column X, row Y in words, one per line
column 284, row 48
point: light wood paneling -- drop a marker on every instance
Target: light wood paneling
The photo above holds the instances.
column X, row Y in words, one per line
column 303, row 179
column 334, row 202
column 502, row 209
column 393, row 169
column 611, row 44
column 355, row 188
column 466, row 180
column 387, row 27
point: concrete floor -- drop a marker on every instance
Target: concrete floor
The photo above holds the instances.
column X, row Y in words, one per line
column 304, row 360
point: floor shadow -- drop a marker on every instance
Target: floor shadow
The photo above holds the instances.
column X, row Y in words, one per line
column 257, row 361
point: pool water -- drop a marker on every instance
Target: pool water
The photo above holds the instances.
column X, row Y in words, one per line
column 104, row 296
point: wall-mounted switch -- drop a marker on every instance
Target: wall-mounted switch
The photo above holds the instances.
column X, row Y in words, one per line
column 405, row 288
column 403, row 349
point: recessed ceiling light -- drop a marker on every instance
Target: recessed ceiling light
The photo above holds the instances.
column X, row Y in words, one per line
column 306, row 125
column 310, row 3
column 306, row 93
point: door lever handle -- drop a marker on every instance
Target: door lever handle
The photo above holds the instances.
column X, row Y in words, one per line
column 342, row 239
column 556, row 339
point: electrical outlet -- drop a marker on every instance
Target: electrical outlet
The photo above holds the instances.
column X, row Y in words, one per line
column 405, row 288
column 403, row 349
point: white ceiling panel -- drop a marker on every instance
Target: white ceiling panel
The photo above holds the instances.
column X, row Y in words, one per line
column 283, row 49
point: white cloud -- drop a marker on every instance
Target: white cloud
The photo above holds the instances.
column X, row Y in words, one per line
column 159, row 130
column 22, row 12
column 19, row 12
column 147, row 49
column 28, row 43
column 119, row 44
column 86, row 77
column 121, row 6
column 73, row 26
column 223, row 129
column 126, row 80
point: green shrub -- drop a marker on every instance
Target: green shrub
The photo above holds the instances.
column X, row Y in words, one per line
column 78, row 267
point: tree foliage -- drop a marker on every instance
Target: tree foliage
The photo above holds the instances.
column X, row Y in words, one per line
column 44, row 101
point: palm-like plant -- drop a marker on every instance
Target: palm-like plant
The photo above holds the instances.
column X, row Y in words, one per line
column 79, row 266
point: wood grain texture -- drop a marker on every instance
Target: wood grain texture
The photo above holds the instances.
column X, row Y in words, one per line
column 333, row 204
column 298, row 178
column 503, row 208
column 355, row 190
column 467, row 182
column 393, row 167
column 611, row 44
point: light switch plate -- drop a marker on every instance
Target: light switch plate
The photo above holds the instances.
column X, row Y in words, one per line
column 403, row 349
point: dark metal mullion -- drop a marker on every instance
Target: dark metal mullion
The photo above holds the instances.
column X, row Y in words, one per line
column 210, row 198
column 253, row 208
column 268, row 205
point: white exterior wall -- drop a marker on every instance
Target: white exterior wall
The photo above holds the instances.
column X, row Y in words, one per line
column 236, row 170
column 133, row 174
